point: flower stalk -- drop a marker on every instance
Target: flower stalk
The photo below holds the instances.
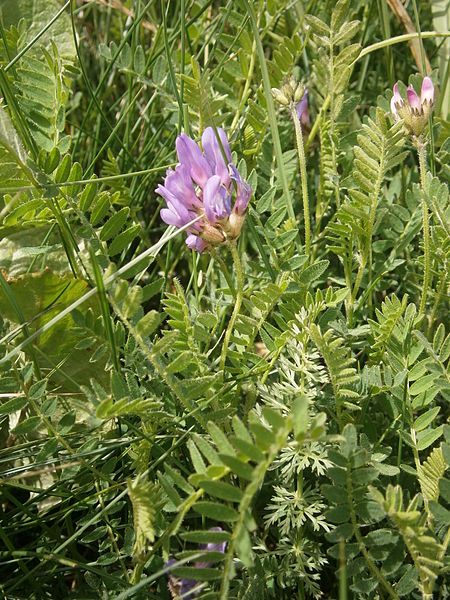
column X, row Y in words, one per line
column 294, row 97
column 415, row 111
column 303, row 177
column 237, row 302
column 421, row 151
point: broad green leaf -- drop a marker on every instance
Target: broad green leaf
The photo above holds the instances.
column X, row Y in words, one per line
column 113, row 225
column 13, row 405
column 222, row 490
column 426, row 419
column 37, row 15
column 27, row 426
column 198, row 574
column 37, row 390
column 428, row 437
column 423, row 384
column 249, row 450
column 313, row 272
column 123, row 240
column 215, row 511
column 206, row 537
column 42, row 296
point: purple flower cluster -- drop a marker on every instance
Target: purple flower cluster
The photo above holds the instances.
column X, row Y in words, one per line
column 205, row 184
column 185, row 589
column 415, row 110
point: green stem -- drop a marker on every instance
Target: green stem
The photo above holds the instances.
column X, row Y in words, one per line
column 270, row 109
column 304, row 179
column 247, row 88
column 421, row 150
column 342, row 572
column 438, row 298
column 226, row 273
column 237, row 303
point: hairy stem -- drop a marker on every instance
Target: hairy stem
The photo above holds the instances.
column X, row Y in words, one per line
column 438, row 298
column 303, row 176
column 422, row 152
column 237, row 303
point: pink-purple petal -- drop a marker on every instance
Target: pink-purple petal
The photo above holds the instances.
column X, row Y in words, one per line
column 427, row 91
column 413, row 98
column 194, row 242
column 213, row 200
column 243, row 191
column 170, row 218
column 302, row 109
column 189, row 154
column 174, row 203
column 396, row 101
column 214, row 154
column 179, row 183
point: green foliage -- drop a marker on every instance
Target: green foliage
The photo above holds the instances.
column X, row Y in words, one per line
column 271, row 429
column 146, row 501
column 424, row 549
column 356, row 465
column 350, row 232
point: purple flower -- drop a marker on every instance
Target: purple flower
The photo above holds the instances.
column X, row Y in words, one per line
column 181, row 588
column 427, row 91
column 205, row 184
column 186, row 589
column 302, row 110
column 414, row 110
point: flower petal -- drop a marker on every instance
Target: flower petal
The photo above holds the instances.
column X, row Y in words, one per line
column 174, row 204
column 427, row 91
column 216, row 202
column 302, row 109
column 214, row 154
column 396, row 100
column 413, row 98
column 170, row 217
column 243, row 191
column 180, row 184
column 195, row 243
column 189, row 154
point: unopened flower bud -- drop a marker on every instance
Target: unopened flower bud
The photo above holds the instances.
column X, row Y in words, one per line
column 292, row 84
column 287, row 91
column 299, row 92
column 280, row 97
column 212, row 234
column 234, row 225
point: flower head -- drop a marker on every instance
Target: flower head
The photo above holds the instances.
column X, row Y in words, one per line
column 291, row 92
column 205, row 184
column 414, row 110
column 188, row 589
